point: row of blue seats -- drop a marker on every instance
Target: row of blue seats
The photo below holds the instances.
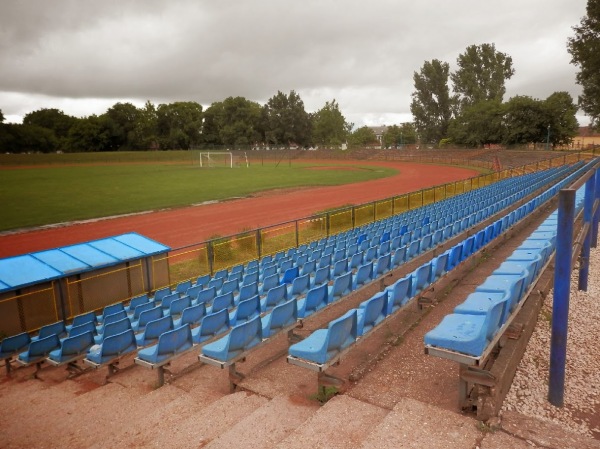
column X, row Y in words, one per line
column 472, row 327
column 325, row 346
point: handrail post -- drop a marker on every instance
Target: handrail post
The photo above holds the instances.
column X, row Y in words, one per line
column 584, row 264
column 596, row 217
column 560, row 307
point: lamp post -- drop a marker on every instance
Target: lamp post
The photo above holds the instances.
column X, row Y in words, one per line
column 548, row 139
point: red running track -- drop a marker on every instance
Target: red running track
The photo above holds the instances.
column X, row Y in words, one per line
column 189, row 225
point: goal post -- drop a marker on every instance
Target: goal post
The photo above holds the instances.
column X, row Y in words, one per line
column 216, row 159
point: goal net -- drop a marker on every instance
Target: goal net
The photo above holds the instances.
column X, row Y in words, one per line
column 210, row 159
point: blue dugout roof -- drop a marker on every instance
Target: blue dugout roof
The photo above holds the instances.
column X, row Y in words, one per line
column 30, row 269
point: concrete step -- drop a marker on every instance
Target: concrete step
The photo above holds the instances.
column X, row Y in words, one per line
column 267, row 425
column 416, row 425
column 342, row 422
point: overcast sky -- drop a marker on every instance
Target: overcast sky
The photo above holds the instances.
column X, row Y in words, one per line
column 83, row 56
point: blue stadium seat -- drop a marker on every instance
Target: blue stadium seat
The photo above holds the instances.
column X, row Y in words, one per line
column 322, row 276
column 241, row 338
column 211, row 326
column 222, row 302
column 399, row 293
column 281, row 317
column 153, row 330
column 274, row 296
column 145, row 317
column 420, row 279
column 342, row 285
column 363, row 276
column 111, row 349
column 170, row 343
column 82, row 319
column 138, row 300
column 315, row 300
column 191, row 315
column 245, row 310
column 371, row 312
column 324, row 344
column 72, row 349
column 299, row 286
column 57, row 328
column 113, row 328
column 206, row 296
column 246, row 291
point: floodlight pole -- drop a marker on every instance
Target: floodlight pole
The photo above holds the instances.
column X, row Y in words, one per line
column 548, row 139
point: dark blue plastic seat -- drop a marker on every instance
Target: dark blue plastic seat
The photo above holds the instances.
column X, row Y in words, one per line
column 11, row 346
column 324, row 344
column 289, row 275
column 183, row 286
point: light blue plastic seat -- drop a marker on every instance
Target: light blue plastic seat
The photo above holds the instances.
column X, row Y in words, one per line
column 274, row 296
column 137, row 301
column 206, row 296
column 216, row 282
column 438, row 266
column 454, row 257
column 356, row 261
column 505, row 283
column 468, row 247
column 170, row 343
column 399, row 257
column 299, row 286
column 322, row 276
column 467, row 334
column 72, row 348
column 315, row 300
column 82, row 319
column 81, row 329
column 113, row 318
column 363, row 276
column 324, row 261
column 382, row 266
column 246, row 310
column 437, row 237
column 342, row 285
column 229, row 287
column 371, row 312
column 399, row 293
column 182, row 287
column 420, row 279
column 250, row 278
column 191, row 315
column 241, row 338
column 370, row 255
column 178, row 306
column 153, row 330
column 480, row 303
column 193, row 292
column 425, row 243
column 308, row 267
column 268, row 271
column 324, row 344
column 269, row 282
column 526, row 268
column 39, row 349
column 212, row 325
column 158, row 295
column 222, row 302
column 235, row 276
column 413, row 249
column 221, row 274
column 281, row 317
column 167, row 300
column 284, row 265
column 57, row 328
column 145, row 317
column 112, row 348
column 113, row 328
column 246, row 291
column 11, row 346
column 203, row 280
column 340, row 267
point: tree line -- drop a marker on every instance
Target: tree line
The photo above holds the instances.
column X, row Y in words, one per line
column 234, row 121
column 466, row 106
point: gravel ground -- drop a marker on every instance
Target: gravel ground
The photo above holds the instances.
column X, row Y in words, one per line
column 529, row 391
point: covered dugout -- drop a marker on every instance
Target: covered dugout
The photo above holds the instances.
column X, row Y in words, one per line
column 43, row 287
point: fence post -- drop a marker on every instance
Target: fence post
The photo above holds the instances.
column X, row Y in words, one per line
column 560, row 307
column 211, row 255
column 596, row 216
column 259, row 243
column 297, row 234
column 584, row 264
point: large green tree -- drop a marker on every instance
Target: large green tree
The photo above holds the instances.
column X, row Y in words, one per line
column 525, row 121
column 478, row 124
column 397, row 136
column 584, row 48
column 233, row 121
column 53, row 119
column 286, row 120
column 121, row 120
column 431, row 104
column 329, row 125
column 481, row 75
column 88, row 134
column 144, row 135
column 179, row 124
column 560, row 111
column 362, row 136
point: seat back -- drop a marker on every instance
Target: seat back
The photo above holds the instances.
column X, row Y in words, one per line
column 222, row 302
column 342, row 285
column 167, row 300
column 157, row 327
column 399, row 293
column 399, row 256
column 117, row 344
column 270, row 282
column 14, row 343
column 113, row 318
column 77, row 344
column 40, row 348
column 214, row 323
column 300, row 285
column 175, row 340
column 340, row 267
column 57, row 328
column 250, row 278
column 439, row 266
column 207, row 296
column 316, row 297
column 425, row 243
column 413, row 249
column 90, row 317
column 244, row 336
column 158, row 294
column 247, row 309
column 83, row 328
column 370, row 254
column 248, row 291
column 193, row 314
column 149, row 315
column 275, row 296
column 179, row 305
column 269, row 271
column 356, row 260
column 183, row 286
column 216, row 283
column 282, row 316
column 454, row 257
column 375, row 311
column 229, row 287
column 421, row 277
column 290, row 274
column 193, row 292
column 468, row 247
column 364, row 274
column 308, row 267
column 383, row 265
column 203, row 280
column 116, row 327
column 221, row 274
column 341, row 332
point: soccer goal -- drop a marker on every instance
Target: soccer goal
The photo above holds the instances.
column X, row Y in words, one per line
column 217, row 159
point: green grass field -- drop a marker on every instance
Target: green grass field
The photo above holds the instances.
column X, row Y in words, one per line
column 33, row 196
